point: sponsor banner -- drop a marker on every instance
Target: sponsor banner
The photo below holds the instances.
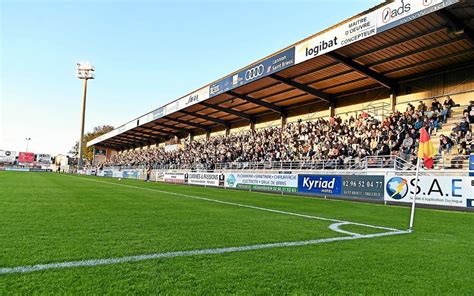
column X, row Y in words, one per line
column 269, row 66
column 105, row 173
column 117, row 174
column 368, row 187
column 7, row 156
column 403, row 11
column 384, row 18
column 130, row 174
column 350, row 32
column 186, row 101
column 431, row 190
column 172, row 107
column 26, row 157
column 40, row 170
column 175, row 178
column 159, row 176
column 320, row 184
column 205, row 179
column 43, row 158
column 13, row 169
column 263, row 182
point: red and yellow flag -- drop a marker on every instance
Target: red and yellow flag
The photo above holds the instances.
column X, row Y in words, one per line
column 426, row 149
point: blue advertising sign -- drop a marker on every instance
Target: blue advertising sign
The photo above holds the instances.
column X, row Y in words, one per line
column 269, row 66
column 320, row 184
column 471, row 165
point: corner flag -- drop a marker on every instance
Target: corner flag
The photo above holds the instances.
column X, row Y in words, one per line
column 426, row 149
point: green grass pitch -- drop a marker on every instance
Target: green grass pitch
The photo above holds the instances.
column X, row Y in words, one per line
column 50, row 218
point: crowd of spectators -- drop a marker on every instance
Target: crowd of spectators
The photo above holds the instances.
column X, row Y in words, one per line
column 323, row 139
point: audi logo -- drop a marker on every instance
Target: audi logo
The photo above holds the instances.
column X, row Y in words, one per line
column 254, row 72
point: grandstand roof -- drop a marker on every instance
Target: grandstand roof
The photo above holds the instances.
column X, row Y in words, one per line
column 380, row 48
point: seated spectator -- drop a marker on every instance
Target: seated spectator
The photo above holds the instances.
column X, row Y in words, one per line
column 436, row 105
column 429, row 112
column 434, row 126
column 421, row 107
column 410, row 108
column 445, row 145
column 464, row 126
column 418, row 123
column 443, row 117
column 449, row 103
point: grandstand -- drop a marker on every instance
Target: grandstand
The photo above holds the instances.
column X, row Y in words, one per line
column 374, row 64
column 340, row 116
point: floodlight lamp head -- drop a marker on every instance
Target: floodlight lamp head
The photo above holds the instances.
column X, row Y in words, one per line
column 85, row 70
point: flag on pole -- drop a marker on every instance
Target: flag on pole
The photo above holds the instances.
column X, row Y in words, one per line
column 426, row 149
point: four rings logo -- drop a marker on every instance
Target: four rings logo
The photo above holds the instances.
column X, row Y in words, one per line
column 389, row 13
column 254, row 72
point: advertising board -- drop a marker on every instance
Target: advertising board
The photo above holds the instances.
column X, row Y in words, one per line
column 43, row 158
column 320, row 184
column 384, row 18
column 175, row 178
column 431, row 190
column 269, row 66
column 130, row 174
column 367, row 187
column 15, row 169
column 349, row 186
column 403, row 11
column 205, row 179
column 26, row 157
column 7, row 156
column 263, row 182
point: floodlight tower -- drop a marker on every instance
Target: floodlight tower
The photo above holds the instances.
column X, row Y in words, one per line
column 85, row 71
column 27, row 141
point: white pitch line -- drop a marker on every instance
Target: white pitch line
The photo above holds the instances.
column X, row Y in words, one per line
column 335, row 226
column 238, row 204
column 109, row 261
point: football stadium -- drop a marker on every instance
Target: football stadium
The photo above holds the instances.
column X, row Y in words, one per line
column 341, row 164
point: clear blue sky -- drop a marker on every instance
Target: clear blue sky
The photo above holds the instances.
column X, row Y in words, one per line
column 146, row 53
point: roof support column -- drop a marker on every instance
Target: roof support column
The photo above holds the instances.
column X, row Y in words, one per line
column 227, row 130
column 191, row 137
column 393, row 99
column 208, row 134
column 284, row 118
column 252, row 124
column 332, row 109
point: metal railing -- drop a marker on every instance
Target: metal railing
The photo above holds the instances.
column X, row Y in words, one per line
column 393, row 163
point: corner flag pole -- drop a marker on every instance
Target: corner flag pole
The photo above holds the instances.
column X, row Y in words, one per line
column 412, row 215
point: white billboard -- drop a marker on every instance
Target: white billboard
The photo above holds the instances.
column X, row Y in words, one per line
column 43, row 158
column 377, row 21
column 7, row 156
column 175, row 178
column 338, row 37
column 431, row 190
column 205, row 179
